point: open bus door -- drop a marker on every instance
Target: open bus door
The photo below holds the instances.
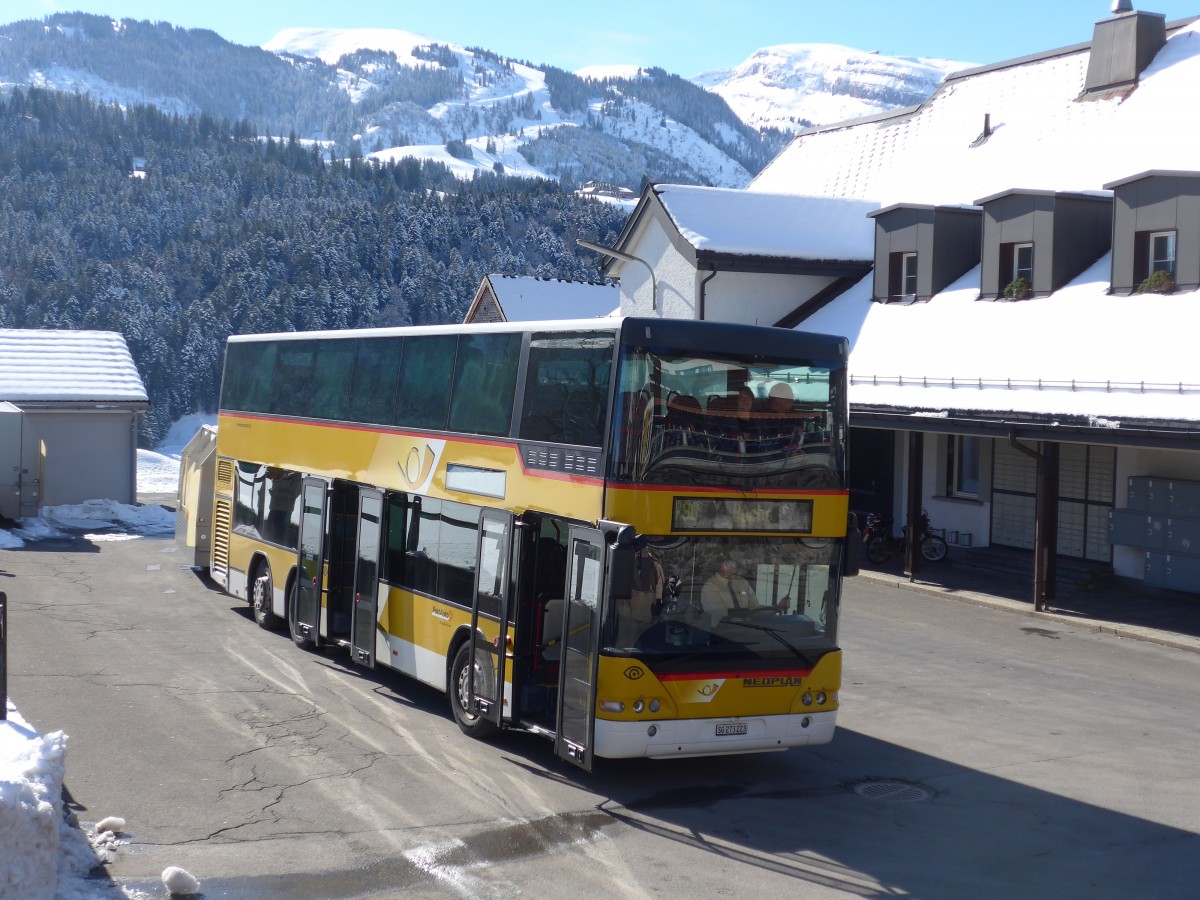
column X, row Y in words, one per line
column 576, row 718
column 311, row 573
column 485, row 683
column 365, row 614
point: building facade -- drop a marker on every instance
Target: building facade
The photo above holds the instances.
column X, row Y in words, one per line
column 1021, row 359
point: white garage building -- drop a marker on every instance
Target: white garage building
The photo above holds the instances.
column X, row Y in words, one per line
column 69, row 402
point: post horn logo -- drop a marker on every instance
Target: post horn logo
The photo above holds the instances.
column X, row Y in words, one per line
column 415, row 467
column 633, row 673
column 709, row 689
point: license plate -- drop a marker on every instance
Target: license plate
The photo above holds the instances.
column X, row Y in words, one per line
column 735, row 728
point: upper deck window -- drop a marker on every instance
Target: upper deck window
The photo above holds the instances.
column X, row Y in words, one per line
column 567, row 388
column 706, row 419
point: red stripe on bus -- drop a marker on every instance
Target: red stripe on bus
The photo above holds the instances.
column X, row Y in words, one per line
column 437, row 436
column 536, row 473
column 378, row 429
column 694, row 489
column 709, row 676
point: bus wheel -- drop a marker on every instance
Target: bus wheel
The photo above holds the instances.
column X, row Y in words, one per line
column 298, row 637
column 261, row 595
column 468, row 720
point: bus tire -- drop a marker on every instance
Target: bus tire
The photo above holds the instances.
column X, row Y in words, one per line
column 471, row 723
column 298, row 638
column 262, row 593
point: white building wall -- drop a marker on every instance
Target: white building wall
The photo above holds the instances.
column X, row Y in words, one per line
column 89, row 455
column 957, row 514
column 675, row 275
column 756, row 298
column 947, row 514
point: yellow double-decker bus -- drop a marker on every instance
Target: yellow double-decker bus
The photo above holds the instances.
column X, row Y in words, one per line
column 625, row 534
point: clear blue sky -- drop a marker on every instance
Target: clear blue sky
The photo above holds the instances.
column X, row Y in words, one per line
column 683, row 36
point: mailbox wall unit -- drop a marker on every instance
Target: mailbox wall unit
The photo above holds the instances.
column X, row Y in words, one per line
column 1163, row 519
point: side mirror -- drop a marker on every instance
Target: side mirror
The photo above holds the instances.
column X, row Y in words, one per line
column 853, row 552
column 620, row 571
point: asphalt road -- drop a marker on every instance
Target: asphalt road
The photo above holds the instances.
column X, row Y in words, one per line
column 979, row 754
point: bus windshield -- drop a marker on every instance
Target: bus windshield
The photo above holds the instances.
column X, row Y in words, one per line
column 730, row 599
column 737, row 421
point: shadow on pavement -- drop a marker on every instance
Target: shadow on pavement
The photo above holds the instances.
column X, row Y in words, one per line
column 1082, row 590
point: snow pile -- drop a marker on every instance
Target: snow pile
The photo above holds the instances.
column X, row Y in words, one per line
column 158, row 469
column 99, row 520
column 43, row 854
column 108, row 514
column 31, row 777
column 180, row 881
column 158, row 472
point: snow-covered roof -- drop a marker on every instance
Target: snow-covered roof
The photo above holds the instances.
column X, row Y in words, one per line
column 67, row 366
column 527, row 299
column 1044, row 134
column 724, row 220
column 1077, row 352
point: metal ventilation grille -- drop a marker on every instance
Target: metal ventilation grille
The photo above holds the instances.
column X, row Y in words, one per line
column 222, row 520
column 894, row 791
column 225, row 473
column 558, row 460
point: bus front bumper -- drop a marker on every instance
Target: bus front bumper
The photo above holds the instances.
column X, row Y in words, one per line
column 709, row 737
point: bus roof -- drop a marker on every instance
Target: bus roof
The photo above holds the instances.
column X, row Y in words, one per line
column 764, row 340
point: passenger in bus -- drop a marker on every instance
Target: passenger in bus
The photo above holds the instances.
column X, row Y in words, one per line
column 781, row 399
column 646, row 596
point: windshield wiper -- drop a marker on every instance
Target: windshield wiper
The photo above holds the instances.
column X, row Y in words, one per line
column 773, row 633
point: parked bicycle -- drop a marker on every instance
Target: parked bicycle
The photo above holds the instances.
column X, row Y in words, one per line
column 882, row 546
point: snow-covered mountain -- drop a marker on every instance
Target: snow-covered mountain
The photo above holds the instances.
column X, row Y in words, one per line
column 392, row 94
column 788, row 87
column 509, row 118
column 792, row 86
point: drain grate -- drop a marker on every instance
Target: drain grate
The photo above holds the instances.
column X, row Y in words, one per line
column 893, row 791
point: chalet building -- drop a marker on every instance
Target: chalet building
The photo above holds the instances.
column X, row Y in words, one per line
column 739, row 256
column 606, row 189
column 1022, row 349
column 69, row 402
column 511, row 298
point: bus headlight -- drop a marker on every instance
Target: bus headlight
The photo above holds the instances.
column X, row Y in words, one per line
column 655, row 706
column 613, row 706
column 638, row 706
column 806, row 699
column 821, row 698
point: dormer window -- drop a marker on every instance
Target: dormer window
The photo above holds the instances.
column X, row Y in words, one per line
column 1023, row 262
column 908, row 274
column 1162, row 252
column 902, row 276
column 1156, row 232
column 1070, row 230
column 921, row 250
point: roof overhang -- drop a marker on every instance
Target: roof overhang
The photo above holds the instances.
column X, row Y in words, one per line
column 1062, row 429
column 1152, row 173
column 780, row 265
column 1093, row 196
column 81, row 405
